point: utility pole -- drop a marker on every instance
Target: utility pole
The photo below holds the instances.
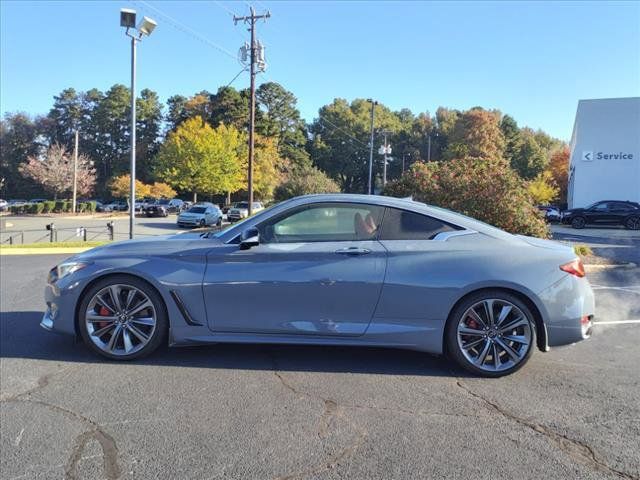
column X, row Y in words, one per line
column 75, row 173
column 373, row 107
column 251, row 20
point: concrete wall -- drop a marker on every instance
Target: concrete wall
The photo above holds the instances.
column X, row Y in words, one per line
column 605, row 152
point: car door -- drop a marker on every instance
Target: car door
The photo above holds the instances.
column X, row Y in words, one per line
column 318, row 270
column 598, row 214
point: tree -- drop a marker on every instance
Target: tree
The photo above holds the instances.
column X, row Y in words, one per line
column 280, row 119
column 529, row 159
column 55, row 172
column 341, row 135
column 266, row 172
column 148, row 121
column 484, row 188
column 512, row 138
column 231, row 107
column 542, row 189
column 18, row 141
column 476, row 133
column 303, row 181
column 161, row 190
column 200, row 159
column 559, row 169
column 120, row 187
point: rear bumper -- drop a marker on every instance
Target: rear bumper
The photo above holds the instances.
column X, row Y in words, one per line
column 570, row 306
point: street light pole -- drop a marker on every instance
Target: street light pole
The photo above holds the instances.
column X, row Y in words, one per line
column 145, row 27
column 132, row 162
column 75, row 172
column 373, row 105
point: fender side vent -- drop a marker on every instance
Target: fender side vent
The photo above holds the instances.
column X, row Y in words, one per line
column 183, row 310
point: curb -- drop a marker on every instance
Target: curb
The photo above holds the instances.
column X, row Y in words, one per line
column 42, row 251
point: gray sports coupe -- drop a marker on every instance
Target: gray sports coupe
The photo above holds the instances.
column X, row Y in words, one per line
column 330, row 270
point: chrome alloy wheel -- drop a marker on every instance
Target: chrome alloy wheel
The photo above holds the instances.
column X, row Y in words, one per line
column 494, row 335
column 120, row 319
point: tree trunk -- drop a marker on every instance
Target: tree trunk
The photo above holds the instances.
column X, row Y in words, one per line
column 195, row 197
column 228, row 198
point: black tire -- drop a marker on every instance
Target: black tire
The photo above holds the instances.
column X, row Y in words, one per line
column 578, row 222
column 219, row 222
column 453, row 348
column 632, row 223
column 203, row 223
column 162, row 323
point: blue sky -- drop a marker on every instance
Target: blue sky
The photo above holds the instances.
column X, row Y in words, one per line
column 533, row 60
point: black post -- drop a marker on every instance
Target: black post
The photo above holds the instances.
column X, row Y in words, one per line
column 84, row 234
column 110, row 229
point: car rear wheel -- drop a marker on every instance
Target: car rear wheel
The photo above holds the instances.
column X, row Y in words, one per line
column 122, row 318
column 633, row 223
column 491, row 334
column 578, row 222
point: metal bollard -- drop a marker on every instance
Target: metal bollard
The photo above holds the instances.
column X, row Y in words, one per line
column 110, row 229
column 84, row 234
column 51, row 227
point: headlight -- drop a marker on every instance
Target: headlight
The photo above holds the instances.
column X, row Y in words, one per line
column 64, row 269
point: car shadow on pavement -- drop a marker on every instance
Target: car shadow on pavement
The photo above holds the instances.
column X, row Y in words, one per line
column 22, row 337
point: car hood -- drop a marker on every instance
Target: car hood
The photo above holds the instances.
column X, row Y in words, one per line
column 180, row 244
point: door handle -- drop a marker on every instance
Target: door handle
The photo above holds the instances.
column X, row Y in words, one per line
column 353, row 251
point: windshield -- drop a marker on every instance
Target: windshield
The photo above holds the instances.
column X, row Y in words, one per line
column 197, row 210
column 163, row 202
column 239, row 226
column 241, row 205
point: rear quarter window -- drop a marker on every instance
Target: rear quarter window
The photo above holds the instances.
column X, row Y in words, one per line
column 400, row 224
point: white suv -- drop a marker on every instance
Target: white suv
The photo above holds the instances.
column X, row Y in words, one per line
column 240, row 210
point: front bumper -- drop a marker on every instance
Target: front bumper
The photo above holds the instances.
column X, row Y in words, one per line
column 189, row 222
column 60, row 312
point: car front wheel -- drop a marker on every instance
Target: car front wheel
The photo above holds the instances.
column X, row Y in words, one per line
column 122, row 318
column 491, row 334
column 578, row 222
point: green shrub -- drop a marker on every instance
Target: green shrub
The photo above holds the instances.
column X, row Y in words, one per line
column 39, row 208
column 16, row 209
column 91, row 207
column 486, row 189
column 33, row 208
column 60, row 206
column 582, row 249
column 48, row 206
column 81, row 207
column 303, row 181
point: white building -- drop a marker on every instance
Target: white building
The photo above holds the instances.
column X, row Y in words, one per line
column 605, row 152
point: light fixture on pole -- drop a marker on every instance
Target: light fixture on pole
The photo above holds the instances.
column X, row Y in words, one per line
column 145, row 27
column 385, row 150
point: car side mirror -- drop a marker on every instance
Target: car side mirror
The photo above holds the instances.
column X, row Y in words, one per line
column 250, row 238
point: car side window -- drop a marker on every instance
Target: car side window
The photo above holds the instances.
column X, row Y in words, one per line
column 601, row 207
column 405, row 225
column 330, row 222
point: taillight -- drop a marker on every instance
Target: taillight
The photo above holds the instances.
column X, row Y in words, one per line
column 574, row 268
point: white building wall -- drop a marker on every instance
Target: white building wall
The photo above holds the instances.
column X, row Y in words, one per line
column 605, row 152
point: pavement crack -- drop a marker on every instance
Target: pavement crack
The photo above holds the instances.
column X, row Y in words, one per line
column 95, row 432
column 575, row 449
column 327, row 418
column 109, row 454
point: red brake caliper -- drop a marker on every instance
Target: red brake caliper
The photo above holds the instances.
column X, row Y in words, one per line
column 104, row 311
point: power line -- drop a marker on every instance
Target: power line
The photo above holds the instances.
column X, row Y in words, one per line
column 188, row 30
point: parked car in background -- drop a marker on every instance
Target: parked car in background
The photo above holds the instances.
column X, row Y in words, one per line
column 605, row 212
column 164, row 207
column 17, row 203
column 101, row 207
column 551, row 214
column 343, row 270
column 240, row 210
column 118, row 206
column 200, row 215
column 4, row 205
column 37, row 200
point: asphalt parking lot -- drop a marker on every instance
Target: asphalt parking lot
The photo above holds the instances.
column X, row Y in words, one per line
column 275, row 412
